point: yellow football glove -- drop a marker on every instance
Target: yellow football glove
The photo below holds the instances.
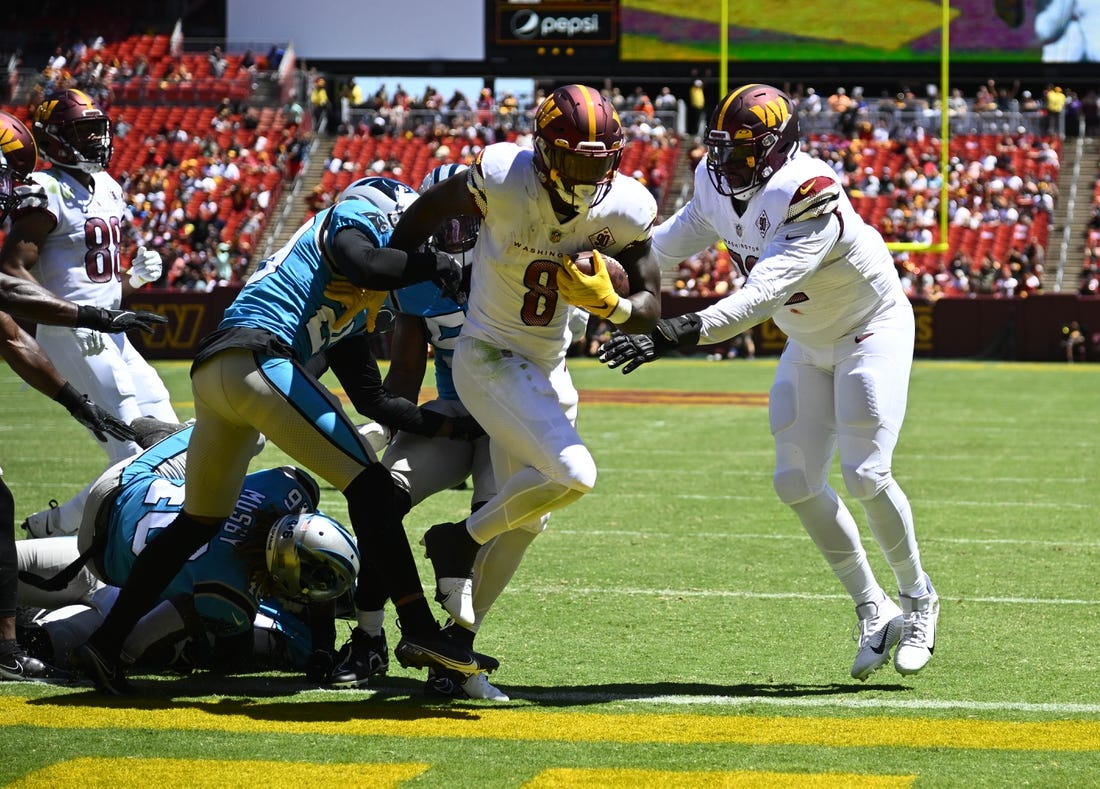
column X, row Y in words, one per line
column 355, row 300
column 593, row 292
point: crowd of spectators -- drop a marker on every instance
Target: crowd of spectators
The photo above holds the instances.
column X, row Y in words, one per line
column 891, row 172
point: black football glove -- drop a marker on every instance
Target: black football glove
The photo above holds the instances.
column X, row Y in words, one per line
column 92, row 416
column 113, row 321
column 634, row 350
column 465, row 428
column 448, row 276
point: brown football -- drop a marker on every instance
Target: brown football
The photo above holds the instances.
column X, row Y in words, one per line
column 619, row 279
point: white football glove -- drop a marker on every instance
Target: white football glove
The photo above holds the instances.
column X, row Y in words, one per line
column 90, row 341
column 145, row 267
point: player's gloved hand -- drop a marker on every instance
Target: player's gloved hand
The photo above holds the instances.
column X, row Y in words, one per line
column 28, row 196
column 448, row 276
column 634, row 350
column 593, row 292
column 91, row 342
column 146, row 266
column 320, row 664
column 113, row 321
column 465, row 428
column 92, row 416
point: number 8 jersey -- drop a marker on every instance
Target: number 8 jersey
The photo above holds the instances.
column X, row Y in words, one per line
column 79, row 259
column 514, row 302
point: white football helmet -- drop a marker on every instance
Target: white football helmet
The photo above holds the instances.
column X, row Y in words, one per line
column 388, row 195
column 311, row 557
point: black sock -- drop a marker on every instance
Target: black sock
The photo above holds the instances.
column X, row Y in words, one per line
column 384, row 552
column 158, row 563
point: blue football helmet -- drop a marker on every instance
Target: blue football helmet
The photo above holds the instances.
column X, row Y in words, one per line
column 311, row 558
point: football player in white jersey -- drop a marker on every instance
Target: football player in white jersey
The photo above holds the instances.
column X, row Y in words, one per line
column 70, row 245
column 538, row 208
column 18, row 158
column 828, row 281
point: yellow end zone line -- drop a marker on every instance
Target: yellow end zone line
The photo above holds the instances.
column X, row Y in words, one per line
column 354, row 718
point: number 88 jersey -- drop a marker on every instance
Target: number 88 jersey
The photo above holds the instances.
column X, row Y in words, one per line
column 79, row 259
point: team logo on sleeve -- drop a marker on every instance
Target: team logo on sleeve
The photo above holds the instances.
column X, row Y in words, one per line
column 602, row 239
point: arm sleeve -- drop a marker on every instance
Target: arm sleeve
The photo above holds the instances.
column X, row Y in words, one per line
column 774, row 278
column 356, row 369
column 682, row 236
column 378, row 268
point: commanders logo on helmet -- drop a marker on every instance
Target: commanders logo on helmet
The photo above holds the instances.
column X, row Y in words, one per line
column 752, row 133
column 72, row 132
column 18, row 158
column 578, row 145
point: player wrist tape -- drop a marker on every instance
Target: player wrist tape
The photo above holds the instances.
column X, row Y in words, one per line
column 69, row 397
column 622, row 311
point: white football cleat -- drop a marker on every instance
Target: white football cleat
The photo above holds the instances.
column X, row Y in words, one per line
column 880, row 627
column 46, row 523
column 453, row 685
column 918, row 636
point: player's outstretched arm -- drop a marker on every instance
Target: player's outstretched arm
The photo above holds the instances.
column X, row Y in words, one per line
column 631, row 351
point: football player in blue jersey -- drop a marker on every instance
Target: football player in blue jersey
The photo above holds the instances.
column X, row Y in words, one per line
column 422, row 465
column 319, row 293
column 273, row 546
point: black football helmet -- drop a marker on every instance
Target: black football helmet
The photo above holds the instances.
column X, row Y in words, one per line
column 455, row 234
column 579, row 142
column 18, row 158
column 72, row 132
column 751, row 134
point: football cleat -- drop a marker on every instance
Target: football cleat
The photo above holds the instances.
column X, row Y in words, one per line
column 880, row 627
column 439, row 650
column 46, row 523
column 108, row 676
column 452, row 685
column 16, row 665
column 452, row 551
column 918, row 635
column 360, row 658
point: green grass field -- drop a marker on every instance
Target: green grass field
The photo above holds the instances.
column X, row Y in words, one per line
column 676, row 627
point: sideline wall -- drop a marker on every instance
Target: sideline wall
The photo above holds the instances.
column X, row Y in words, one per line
column 1022, row 329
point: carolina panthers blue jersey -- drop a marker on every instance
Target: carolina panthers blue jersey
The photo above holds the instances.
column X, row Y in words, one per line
column 442, row 318
column 215, row 575
column 296, row 294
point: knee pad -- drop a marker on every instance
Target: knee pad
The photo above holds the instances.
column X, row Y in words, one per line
column 791, row 486
column 577, row 470
column 865, row 482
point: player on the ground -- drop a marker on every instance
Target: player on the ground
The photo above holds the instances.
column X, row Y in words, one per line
column 828, row 281
column 538, row 208
column 69, row 242
column 274, row 544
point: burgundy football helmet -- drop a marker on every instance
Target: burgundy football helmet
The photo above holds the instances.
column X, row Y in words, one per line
column 752, row 133
column 18, row 158
column 72, row 132
column 578, row 144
